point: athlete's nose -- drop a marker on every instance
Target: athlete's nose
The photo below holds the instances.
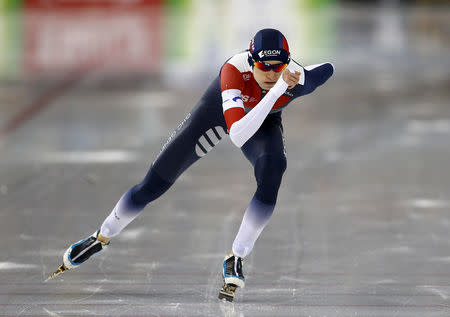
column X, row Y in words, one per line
column 271, row 75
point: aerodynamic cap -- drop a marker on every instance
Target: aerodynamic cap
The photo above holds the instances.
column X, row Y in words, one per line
column 269, row 44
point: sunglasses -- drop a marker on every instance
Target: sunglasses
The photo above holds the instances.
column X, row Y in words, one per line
column 265, row 67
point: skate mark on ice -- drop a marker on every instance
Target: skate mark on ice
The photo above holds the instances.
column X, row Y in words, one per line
column 420, row 127
column 131, row 234
column 149, row 281
column 435, row 290
column 150, row 268
column 23, row 310
column 90, row 289
column 43, row 266
column 386, row 281
column 229, row 310
column 441, row 259
column 86, row 157
column 16, row 266
column 145, row 265
column 391, row 250
column 50, row 313
column 424, row 203
column 294, row 279
column 26, row 237
column 399, row 249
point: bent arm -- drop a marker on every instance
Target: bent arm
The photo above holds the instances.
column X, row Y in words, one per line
column 242, row 126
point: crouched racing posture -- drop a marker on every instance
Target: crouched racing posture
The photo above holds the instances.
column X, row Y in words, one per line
column 245, row 101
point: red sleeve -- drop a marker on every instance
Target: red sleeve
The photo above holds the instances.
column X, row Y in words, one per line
column 231, row 78
column 232, row 115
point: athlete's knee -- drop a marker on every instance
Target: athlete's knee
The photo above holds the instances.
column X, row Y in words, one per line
column 270, row 167
column 269, row 170
column 151, row 187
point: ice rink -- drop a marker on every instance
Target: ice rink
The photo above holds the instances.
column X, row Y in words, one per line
column 362, row 224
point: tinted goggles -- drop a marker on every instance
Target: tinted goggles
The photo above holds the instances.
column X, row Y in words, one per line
column 265, row 67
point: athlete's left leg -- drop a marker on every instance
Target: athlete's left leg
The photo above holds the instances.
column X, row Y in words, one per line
column 265, row 150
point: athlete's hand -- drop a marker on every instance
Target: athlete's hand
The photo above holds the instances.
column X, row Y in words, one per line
column 291, row 78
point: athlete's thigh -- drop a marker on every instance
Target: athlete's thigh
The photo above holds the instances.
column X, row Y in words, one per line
column 194, row 137
column 268, row 140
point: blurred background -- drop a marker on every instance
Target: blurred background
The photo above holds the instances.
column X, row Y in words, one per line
column 91, row 89
column 390, row 48
column 178, row 39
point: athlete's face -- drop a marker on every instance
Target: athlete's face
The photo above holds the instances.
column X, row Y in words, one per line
column 266, row 80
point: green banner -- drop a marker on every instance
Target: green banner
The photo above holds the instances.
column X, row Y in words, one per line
column 317, row 3
column 176, row 28
column 10, row 4
column 10, row 39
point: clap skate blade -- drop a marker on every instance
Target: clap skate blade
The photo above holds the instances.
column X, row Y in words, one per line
column 80, row 252
column 59, row 271
column 227, row 292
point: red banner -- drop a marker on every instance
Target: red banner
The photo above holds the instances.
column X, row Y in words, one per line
column 116, row 35
column 90, row 3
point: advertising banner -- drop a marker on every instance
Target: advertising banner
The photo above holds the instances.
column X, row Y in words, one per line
column 10, row 38
column 116, row 35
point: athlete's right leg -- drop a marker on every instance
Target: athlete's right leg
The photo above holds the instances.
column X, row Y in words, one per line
column 199, row 132
column 196, row 135
column 133, row 202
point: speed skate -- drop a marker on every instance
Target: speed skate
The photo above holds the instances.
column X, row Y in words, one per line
column 79, row 252
column 233, row 277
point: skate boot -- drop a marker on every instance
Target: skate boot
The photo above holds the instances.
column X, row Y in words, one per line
column 233, row 277
column 79, row 252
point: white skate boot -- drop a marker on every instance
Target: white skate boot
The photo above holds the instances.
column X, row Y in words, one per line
column 233, row 277
column 79, row 252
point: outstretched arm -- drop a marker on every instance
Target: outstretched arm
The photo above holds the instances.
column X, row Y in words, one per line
column 316, row 75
